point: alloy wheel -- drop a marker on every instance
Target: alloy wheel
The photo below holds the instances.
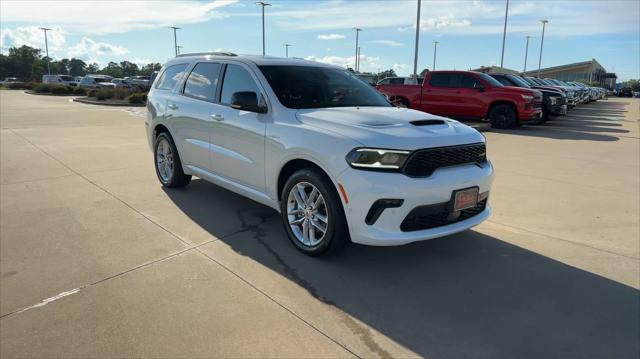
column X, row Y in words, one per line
column 307, row 214
column 164, row 160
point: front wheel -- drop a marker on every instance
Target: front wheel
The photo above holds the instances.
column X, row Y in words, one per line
column 312, row 213
column 503, row 116
column 168, row 164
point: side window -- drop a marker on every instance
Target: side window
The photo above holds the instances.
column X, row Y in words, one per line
column 171, row 76
column 384, row 82
column 397, row 81
column 468, row 81
column 202, row 81
column 503, row 80
column 442, row 80
column 237, row 79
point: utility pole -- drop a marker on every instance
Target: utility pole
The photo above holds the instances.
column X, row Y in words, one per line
column 415, row 55
column 46, row 46
column 357, row 29
column 263, row 4
column 175, row 39
column 286, row 47
column 526, row 53
column 544, row 24
column 435, row 51
column 504, row 34
column 179, row 48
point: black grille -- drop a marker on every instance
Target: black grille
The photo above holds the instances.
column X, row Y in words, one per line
column 422, row 163
column 432, row 216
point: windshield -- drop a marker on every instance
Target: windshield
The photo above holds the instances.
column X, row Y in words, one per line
column 519, row 81
column 493, row 82
column 301, row 87
column 66, row 78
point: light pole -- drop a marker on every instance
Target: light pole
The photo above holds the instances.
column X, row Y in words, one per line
column 526, row 53
column 263, row 4
column 286, row 48
column 175, row 39
column 357, row 29
column 358, row 69
column 435, row 51
column 46, row 46
column 544, row 24
column 179, row 48
column 415, row 55
column 504, row 33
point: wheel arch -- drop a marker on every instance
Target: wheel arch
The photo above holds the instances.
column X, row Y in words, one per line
column 503, row 102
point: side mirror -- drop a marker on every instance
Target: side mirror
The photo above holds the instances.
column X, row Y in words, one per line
column 247, row 101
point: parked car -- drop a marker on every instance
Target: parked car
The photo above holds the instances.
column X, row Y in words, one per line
column 96, row 82
column 58, row 80
column 468, row 95
column 120, row 83
column 400, row 81
column 625, row 92
column 554, row 102
column 10, row 80
column 318, row 145
column 77, row 79
column 540, row 84
column 139, row 81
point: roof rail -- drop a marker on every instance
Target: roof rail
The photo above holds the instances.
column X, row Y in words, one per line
column 222, row 53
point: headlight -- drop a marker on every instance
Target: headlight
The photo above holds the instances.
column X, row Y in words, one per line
column 374, row 158
column 527, row 98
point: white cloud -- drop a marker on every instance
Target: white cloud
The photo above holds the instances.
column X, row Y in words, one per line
column 118, row 16
column 443, row 22
column 388, row 43
column 331, row 37
column 34, row 37
column 88, row 49
column 367, row 63
column 400, row 67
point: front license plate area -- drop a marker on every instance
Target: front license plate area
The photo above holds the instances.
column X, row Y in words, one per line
column 465, row 198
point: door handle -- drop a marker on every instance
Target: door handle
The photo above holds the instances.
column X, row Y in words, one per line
column 217, row 117
column 172, row 106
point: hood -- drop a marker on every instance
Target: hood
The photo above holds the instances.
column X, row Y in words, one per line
column 391, row 127
column 520, row 90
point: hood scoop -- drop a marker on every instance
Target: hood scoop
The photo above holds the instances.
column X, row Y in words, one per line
column 427, row 122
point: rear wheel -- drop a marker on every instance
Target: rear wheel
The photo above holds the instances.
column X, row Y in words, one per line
column 503, row 116
column 168, row 164
column 312, row 213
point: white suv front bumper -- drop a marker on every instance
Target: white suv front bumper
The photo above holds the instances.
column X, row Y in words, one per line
column 363, row 188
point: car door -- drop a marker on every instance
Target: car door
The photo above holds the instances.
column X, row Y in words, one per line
column 438, row 97
column 469, row 97
column 237, row 138
column 190, row 107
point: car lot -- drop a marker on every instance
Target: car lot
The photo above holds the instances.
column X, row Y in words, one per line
column 96, row 259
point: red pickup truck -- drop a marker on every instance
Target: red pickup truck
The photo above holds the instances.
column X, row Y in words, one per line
column 468, row 95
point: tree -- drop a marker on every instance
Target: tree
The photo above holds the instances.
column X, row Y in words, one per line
column 93, row 68
column 112, row 69
column 148, row 69
column 77, row 67
column 634, row 85
column 386, row 73
column 25, row 63
column 129, row 68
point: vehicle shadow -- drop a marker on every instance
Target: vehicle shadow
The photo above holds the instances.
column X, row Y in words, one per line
column 467, row 295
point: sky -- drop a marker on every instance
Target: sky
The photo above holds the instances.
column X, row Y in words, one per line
column 469, row 32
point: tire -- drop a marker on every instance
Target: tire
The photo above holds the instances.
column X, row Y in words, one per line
column 336, row 233
column 503, row 116
column 168, row 165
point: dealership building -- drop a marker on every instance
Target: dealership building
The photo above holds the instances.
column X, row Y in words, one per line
column 590, row 71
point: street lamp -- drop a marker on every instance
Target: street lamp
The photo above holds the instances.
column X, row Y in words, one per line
column 263, row 4
column 504, row 33
column 46, row 46
column 179, row 48
column 526, row 53
column 357, row 29
column 175, row 39
column 415, row 55
column 544, row 24
column 435, row 51
column 286, row 47
column 358, row 69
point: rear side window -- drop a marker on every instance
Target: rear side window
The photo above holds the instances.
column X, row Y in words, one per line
column 202, row 81
column 397, row 81
column 171, row 76
column 442, row 80
column 237, row 79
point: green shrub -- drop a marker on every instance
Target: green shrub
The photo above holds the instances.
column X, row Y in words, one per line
column 120, row 94
column 137, row 98
column 61, row 90
column 92, row 93
column 104, row 94
column 79, row 91
column 42, row 88
column 30, row 85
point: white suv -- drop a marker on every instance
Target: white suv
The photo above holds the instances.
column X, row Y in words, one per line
column 318, row 145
